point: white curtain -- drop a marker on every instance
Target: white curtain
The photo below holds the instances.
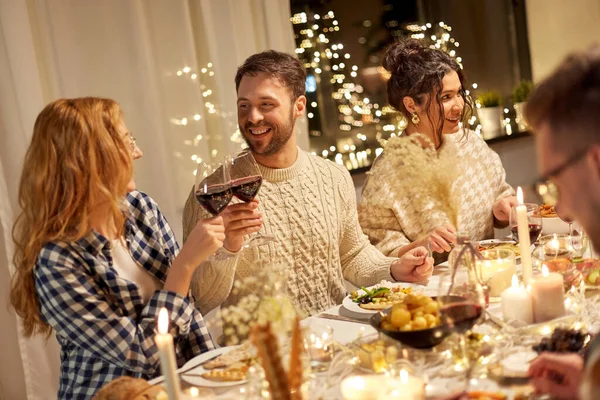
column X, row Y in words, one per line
column 169, row 63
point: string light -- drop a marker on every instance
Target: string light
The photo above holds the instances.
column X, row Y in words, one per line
column 322, row 56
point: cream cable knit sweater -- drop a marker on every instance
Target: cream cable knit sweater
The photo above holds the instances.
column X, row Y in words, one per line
column 310, row 208
column 392, row 218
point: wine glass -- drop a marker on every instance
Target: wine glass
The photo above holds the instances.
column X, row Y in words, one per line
column 246, row 181
column 461, row 299
column 213, row 189
column 213, row 186
column 579, row 239
column 534, row 220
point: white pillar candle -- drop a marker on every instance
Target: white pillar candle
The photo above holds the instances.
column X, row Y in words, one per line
column 409, row 388
column 497, row 274
column 547, row 293
column 374, row 387
column 166, row 351
column 524, row 241
column 517, row 303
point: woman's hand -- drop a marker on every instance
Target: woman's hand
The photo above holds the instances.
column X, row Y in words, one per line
column 440, row 239
column 413, row 266
column 502, row 207
column 206, row 238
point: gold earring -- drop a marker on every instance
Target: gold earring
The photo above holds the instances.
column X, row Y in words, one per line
column 415, row 119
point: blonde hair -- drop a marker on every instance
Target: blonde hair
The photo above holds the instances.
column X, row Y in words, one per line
column 76, row 160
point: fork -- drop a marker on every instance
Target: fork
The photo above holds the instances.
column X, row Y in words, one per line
column 188, row 369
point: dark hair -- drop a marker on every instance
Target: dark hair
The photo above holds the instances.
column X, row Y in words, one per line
column 287, row 68
column 417, row 72
column 568, row 100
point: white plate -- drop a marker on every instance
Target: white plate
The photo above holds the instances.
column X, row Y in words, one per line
column 355, row 307
column 495, row 314
column 496, row 241
column 198, row 380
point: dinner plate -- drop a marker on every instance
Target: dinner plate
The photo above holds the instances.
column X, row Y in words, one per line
column 355, row 307
column 497, row 241
column 196, row 379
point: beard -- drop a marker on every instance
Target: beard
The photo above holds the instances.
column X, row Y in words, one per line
column 280, row 135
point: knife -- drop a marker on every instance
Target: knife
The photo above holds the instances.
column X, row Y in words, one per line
column 188, row 369
column 342, row 318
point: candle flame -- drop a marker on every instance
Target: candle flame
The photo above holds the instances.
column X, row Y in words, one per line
column 194, row 392
column 515, row 282
column 520, row 195
column 403, row 376
column 545, row 271
column 554, row 244
column 163, row 321
column 358, row 382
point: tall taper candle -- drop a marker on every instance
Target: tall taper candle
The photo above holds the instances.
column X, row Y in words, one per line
column 524, row 242
column 168, row 366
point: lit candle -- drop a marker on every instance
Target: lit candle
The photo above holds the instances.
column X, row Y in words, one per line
column 410, row 387
column 166, row 351
column 547, row 293
column 524, row 242
column 497, row 273
column 373, row 387
column 517, row 303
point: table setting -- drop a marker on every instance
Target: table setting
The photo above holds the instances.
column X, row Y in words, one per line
column 475, row 326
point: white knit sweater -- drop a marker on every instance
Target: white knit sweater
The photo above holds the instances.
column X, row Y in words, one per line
column 392, row 216
column 310, row 208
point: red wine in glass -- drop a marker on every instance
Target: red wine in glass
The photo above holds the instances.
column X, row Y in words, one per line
column 246, row 188
column 246, row 181
column 535, row 230
column 215, row 198
column 461, row 316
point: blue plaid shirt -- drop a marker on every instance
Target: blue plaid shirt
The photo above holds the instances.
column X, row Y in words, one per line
column 102, row 324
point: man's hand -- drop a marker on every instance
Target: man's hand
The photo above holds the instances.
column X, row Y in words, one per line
column 502, row 207
column 557, row 374
column 240, row 220
column 413, row 266
column 440, row 238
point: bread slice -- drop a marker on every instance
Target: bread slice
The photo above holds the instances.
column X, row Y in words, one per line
column 234, row 373
column 241, row 353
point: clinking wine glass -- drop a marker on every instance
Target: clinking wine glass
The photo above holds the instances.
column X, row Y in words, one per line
column 246, row 181
column 534, row 221
column 213, row 188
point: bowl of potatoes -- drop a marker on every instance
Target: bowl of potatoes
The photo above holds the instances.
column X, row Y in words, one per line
column 414, row 322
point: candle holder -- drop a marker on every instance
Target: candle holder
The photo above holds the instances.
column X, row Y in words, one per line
column 556, row 252
column 496, row 270
column 318, row 344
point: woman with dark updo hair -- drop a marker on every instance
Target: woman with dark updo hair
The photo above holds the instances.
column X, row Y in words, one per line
column 435, row 179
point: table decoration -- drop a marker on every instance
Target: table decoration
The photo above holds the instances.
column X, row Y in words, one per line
column 260, row 298
column 166, row 351
column 318, row 344
column 523, row 227
column 547, row 293
column 496, row 270
column 517, row 303
column 282, row 385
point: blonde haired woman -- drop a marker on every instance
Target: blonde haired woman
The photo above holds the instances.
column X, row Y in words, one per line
column 95, row 259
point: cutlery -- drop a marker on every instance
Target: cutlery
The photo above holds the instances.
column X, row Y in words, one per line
column 342, row 318
column 188, row 369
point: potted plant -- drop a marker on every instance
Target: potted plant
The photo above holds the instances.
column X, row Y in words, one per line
column 520, row 96
column 489, row 111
